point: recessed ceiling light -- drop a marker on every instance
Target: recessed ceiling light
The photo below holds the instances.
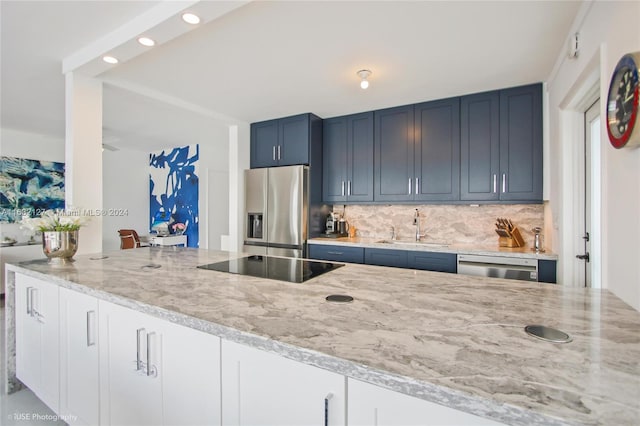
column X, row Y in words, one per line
column 190, row 18
column 110, row 59
column 146, row 41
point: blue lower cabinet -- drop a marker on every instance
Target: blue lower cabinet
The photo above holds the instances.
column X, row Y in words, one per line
column 385, row 257
column 429, row 261
column 336, row 253
column 547, row 271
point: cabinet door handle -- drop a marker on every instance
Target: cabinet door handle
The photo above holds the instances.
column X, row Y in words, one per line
column 91, row 316
column 151, row 369
column 279, row 156
column 504, row 183
column 409, row 186
column 417, row 186
column 343, row 188
column 139, row 348
column 348, row 187
column 29, row 301
column 274, row 153
column 495, row 183
column 326, row 408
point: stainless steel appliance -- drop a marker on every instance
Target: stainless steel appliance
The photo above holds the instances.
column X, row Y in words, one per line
column 498, row 267
column 275, row 268
column 277, row 211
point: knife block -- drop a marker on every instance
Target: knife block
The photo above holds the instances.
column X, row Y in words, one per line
column 515, row 240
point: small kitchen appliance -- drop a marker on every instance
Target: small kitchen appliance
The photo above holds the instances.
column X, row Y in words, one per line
column 332, row 224
column 343, row 227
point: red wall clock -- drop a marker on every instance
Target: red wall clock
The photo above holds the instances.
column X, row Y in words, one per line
column 622, row 103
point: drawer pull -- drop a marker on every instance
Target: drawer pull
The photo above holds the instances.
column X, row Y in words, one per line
column 335, row 252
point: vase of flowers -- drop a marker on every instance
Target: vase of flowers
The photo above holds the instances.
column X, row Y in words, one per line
column 60, row 230
column 179, row 228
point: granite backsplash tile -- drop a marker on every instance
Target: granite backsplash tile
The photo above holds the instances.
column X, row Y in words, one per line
column 461, row 224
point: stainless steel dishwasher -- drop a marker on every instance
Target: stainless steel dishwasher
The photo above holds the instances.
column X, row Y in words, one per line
column 498, row 267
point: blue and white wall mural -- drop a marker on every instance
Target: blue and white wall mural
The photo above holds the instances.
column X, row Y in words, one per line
column 173, row 185
column 29, row 187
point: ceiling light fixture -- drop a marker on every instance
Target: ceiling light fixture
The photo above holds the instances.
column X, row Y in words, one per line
column 110, row 59
column 146, row 41
column 364, row 74
column 190, row 18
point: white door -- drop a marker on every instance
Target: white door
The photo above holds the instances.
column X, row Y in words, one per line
column 371, row 405
column 260, row 388
column 79, row 362
column 130, row 392
column 589, row 254
column 37, row 338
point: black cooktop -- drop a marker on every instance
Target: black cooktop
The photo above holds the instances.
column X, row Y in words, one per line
column 275, row 268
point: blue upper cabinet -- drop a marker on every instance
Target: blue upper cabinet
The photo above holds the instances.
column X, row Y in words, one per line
column 348, row 158
column 417, row 152
column 480, row 143
column 521, row 143
column 393, row 154
column 283, row 142
column 501, row 158
column 437, row 151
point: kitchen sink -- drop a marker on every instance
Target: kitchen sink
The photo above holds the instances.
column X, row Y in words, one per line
column 413, row 243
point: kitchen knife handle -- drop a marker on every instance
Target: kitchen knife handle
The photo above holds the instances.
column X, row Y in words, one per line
column 495, row 183
column 343, row 188
column 409, row 186
column 504, row 183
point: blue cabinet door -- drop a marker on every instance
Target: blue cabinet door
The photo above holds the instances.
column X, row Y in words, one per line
column 431, row 261
column 521, row 143
column 547, row 271
column 264, row 144
column 393, row 154
column 334, row 160
column 480, row 147
column 385, row 257
column 293, row 140
column 437, row 151
column 336, row 253
column 360, row 157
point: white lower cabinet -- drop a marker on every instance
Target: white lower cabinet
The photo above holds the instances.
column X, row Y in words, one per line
column 153, row 372
column 37, row 338
column 260, row 388
column 371, row 405
column 79, row 362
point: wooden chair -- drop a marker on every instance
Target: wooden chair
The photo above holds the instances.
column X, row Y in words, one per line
column 129, row 239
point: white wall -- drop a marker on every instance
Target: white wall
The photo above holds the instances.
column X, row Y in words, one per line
column 608, row 30
column 20, row 144
column 125, row 192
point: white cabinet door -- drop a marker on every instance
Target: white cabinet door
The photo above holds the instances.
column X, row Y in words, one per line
column 130, row 390
column 37, row 336
column 79, row 362
column 259, row 388
column 182, row 386
column 371, row 405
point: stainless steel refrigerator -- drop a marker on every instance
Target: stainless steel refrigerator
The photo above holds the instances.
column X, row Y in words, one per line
column 277, row 211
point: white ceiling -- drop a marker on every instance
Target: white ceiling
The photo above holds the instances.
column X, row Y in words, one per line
column 271, row 59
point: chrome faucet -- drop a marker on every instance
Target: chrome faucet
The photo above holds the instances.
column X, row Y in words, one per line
column 416, row 223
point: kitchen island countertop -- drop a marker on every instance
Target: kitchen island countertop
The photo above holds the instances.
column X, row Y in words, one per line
column 450, row 339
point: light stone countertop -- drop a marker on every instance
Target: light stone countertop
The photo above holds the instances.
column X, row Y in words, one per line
column 436, row 246
column 451, row 339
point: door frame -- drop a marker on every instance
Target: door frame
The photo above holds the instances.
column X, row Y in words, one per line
column 585, row 92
